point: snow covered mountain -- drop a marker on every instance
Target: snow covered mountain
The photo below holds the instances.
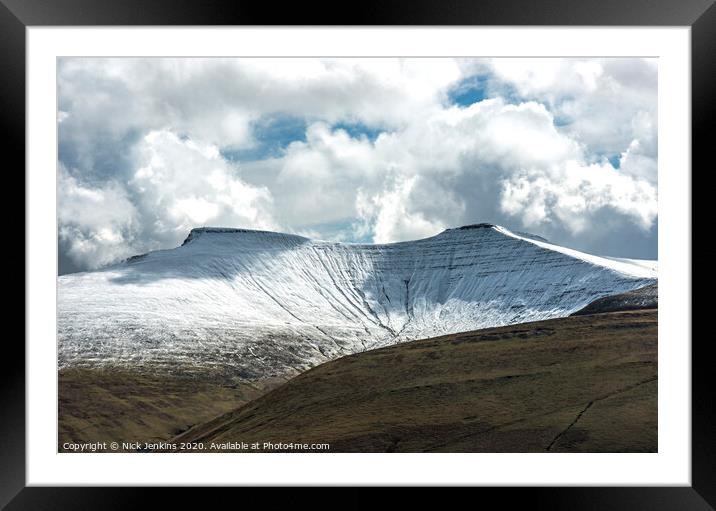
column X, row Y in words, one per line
column 253, row 304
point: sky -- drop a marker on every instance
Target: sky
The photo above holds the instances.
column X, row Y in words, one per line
column 354, row 150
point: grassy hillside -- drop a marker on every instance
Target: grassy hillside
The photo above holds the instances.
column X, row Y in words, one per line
column 577, row 384
column 116, row 405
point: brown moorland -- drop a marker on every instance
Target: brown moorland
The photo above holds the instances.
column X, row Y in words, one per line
column 578, row 384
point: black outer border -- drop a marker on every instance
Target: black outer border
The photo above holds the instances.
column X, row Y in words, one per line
column 16, row 15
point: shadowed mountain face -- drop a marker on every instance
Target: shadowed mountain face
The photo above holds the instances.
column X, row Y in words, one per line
column 576, row 384
column 646, row 297
column 250, row 305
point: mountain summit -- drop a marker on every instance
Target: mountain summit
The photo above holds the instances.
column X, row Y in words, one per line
column 256, row 304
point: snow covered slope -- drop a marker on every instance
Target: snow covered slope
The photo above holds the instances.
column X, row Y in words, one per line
column 255, row 304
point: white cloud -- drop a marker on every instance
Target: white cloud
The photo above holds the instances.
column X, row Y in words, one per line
column 317, row 179
column 572, row 194
column 147, row 139
column 180, row 184
column 393, row 214
column 216, row 100
column 97, row 225
column 510, row 154
column 177, row 185
column 605, row 103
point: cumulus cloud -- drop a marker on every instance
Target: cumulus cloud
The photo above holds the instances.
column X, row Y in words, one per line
column 217, row 100
column 96, row 224
column 603, row 103
column 395, row 213
column 179, row 184
column 510, row 158
column 176, row 185
column 571, row 194
column 378, row 150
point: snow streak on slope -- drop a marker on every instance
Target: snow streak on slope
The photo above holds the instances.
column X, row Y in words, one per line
column 256, row 304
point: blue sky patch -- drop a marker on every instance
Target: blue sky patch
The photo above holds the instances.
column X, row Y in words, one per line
column 476, row 88
column 467, row 91
column 560, row 121
column 273, row 134
column 615, row 160
column 358, row 130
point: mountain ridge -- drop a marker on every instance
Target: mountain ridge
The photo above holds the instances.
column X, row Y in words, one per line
column 269, row 304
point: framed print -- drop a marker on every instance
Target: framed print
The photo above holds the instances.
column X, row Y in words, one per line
column 391, row 249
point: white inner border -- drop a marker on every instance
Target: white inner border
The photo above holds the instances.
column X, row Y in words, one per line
column 670, row 466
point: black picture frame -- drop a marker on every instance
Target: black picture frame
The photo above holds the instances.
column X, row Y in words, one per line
column 17, row 15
